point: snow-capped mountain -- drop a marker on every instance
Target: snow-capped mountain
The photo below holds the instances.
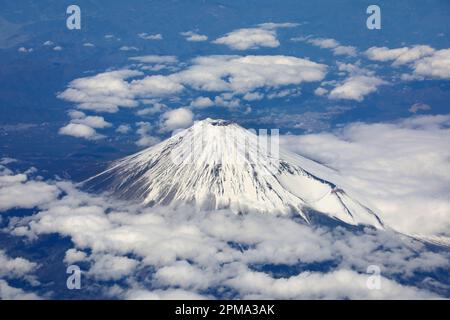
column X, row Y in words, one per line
column 216, row 164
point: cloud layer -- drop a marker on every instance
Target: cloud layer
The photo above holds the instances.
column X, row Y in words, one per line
column 403, row 168
column 193, row 254
column 238, row 75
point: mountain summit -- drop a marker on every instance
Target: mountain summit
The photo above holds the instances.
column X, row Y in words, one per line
column 217, row 164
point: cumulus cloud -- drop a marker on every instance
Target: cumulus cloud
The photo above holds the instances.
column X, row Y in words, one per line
column 16, row 191
column 329, row 43
column 123, row 128
column 249, row 38
column 192, row 254
column 356, row 88
column 425, row 61
column 145, row 139
column 435, row 66
column 128, row 48
column 15, row 267
column 264, row 35
column 402, row 168
column 194, row 36
column 202, row 102
column 78, row 130
column 399, row 56
column 8, row 292
column 340, row 284
column 242, row 74
column 176, row 119
column 96, row 122
column 102, row 92
column 25, row 50
column 147, row 36
column 358, row 83
column 73, row 255
column 155, row 59
column 156, row 107
column 82, row 126
column 320, row 91
column 109, row 267
column 107, row 91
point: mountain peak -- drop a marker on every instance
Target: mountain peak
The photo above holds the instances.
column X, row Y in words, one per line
column 217, row 164
column 215, row 122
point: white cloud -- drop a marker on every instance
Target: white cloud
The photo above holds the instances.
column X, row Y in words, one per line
column 73, row 255
column 15, row 268
column 176, row 119
column 435, row 66
column 329, row 43
column 123, row 128
column 16, row 191
column 249, row 38
column 57, row 48
column 155, row 59
column 107, row 91
column 424, row 60
column 356, row 87
column 145, row 139
column 243, row 74
column 277, row 25
column 202, row 102
column 402, row 168
column 253, row 96
column 320, row 91
column 48, row 43
column 110, row 267
column 25, row 50
column 78, row 130
column 88, row 44
column 147, row 36
column 191, row 251
column 128, row 48
column 156, row 62
column 176, row 294
column 359, row 83
column 340, row 284
column 10, row 293
column 184, row 275
column 400, row 56
column 82, row 126
column 156, row 107
column 95, row 122
column 155, row 86
column 102, row 92
column 194, row 36
column 264, row 35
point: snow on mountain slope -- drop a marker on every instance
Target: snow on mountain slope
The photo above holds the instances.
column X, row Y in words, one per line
column 217, row 164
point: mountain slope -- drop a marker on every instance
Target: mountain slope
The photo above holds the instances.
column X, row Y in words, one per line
column 217, row 164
